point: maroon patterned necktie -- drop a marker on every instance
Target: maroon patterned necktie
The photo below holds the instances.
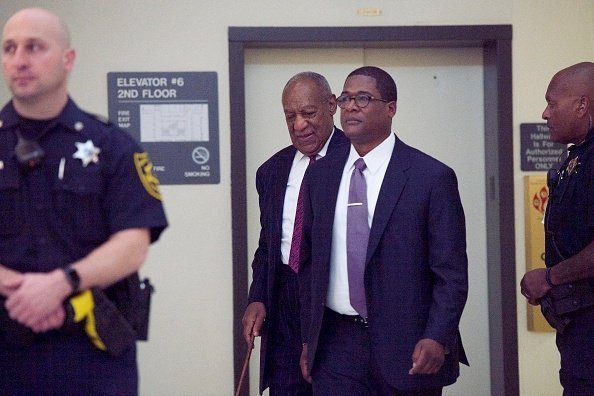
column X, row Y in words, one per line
column 298, row 228
column 357, row 237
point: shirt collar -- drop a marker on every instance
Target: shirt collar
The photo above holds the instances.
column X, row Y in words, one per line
column 589, row 136
column 322, row 152
column 69, row 117
column 376, row 158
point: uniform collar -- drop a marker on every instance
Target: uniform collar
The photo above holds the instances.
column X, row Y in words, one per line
column 575, row 148
column 69, row 117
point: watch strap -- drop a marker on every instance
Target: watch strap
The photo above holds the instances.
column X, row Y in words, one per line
column 73, row 278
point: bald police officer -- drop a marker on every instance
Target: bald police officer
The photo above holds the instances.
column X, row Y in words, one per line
column 79, row 208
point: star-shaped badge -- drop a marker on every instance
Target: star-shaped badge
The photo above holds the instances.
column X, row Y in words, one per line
column 572, row 166
column 87, row 152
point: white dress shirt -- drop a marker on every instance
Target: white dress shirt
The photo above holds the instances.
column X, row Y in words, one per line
column 377, row 161
column 300, row 163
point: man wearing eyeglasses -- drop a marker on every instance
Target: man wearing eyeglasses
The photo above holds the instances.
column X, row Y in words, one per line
column 273, row 309
column 565, row 289
column 383, row 277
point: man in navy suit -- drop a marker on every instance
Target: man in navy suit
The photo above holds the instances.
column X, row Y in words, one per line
column 273, row 309
column 404, row 340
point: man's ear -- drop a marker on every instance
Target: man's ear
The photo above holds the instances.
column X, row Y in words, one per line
column 69, row 57
column 332, row 103
column 392, row 107
column 583, row 105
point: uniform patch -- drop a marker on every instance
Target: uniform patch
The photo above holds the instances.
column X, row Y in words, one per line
column 144, row 167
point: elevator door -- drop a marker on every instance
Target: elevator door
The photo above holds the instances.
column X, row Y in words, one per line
column 440, row 111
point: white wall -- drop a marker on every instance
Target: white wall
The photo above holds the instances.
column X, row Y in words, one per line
column 190, row 351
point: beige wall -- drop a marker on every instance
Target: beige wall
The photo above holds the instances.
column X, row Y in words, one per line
column 548, row 36
column 190, row 351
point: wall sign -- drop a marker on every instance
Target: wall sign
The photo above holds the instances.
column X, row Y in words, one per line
column 538, row 153
column 536, row 196
column 175, row 117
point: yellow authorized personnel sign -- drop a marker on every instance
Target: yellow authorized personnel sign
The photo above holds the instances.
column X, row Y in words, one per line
column 535, row 201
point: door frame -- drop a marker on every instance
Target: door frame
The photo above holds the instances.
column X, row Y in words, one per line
column 495, row 40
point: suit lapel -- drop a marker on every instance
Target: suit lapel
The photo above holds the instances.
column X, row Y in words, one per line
column 331, row 183
column 278, row 182
column 281, row 176
column 337, row 139
column 325, row 199
column 392, row 186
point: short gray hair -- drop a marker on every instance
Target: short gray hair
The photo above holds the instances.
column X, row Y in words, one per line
column 319, row 80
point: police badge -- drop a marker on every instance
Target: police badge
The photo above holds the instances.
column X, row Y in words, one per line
column 87, row 152
column 572, row 166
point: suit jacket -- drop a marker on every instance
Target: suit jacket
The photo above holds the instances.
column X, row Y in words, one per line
column 271, row 184
column 416, row 279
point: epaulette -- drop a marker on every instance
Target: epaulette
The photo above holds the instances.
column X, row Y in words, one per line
column 100, row 118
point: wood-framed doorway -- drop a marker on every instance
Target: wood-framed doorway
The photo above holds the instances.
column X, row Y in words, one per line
column 495, row 40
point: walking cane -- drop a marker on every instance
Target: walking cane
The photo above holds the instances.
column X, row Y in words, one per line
column 246, row 361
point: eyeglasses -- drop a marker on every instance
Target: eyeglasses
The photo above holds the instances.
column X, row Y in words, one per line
column 361, row 100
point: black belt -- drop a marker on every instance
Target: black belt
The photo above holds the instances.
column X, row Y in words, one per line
column 348, row 318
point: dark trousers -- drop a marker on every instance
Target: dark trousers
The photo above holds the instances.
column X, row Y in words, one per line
column 577, row 356
column 69, row 365
column 344, row 365
column 284, row 341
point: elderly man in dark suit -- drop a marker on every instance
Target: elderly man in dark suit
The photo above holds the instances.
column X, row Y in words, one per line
column 309, row 107
column 383, row 262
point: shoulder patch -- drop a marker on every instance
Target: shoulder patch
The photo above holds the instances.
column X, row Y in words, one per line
column 144, row 167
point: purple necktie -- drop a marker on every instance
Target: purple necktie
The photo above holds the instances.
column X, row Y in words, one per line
column 357, row 237
column 298, row 227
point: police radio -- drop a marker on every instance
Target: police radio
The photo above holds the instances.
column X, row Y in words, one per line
column 28, row 152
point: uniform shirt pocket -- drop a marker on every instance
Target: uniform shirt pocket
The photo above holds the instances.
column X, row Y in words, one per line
column 10, row 202
column 79, row 206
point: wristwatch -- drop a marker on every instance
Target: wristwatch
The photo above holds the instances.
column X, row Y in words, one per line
column 72, row 278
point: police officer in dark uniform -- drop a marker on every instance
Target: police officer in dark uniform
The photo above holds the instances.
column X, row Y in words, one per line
column 565, row 287
column 79, row 207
